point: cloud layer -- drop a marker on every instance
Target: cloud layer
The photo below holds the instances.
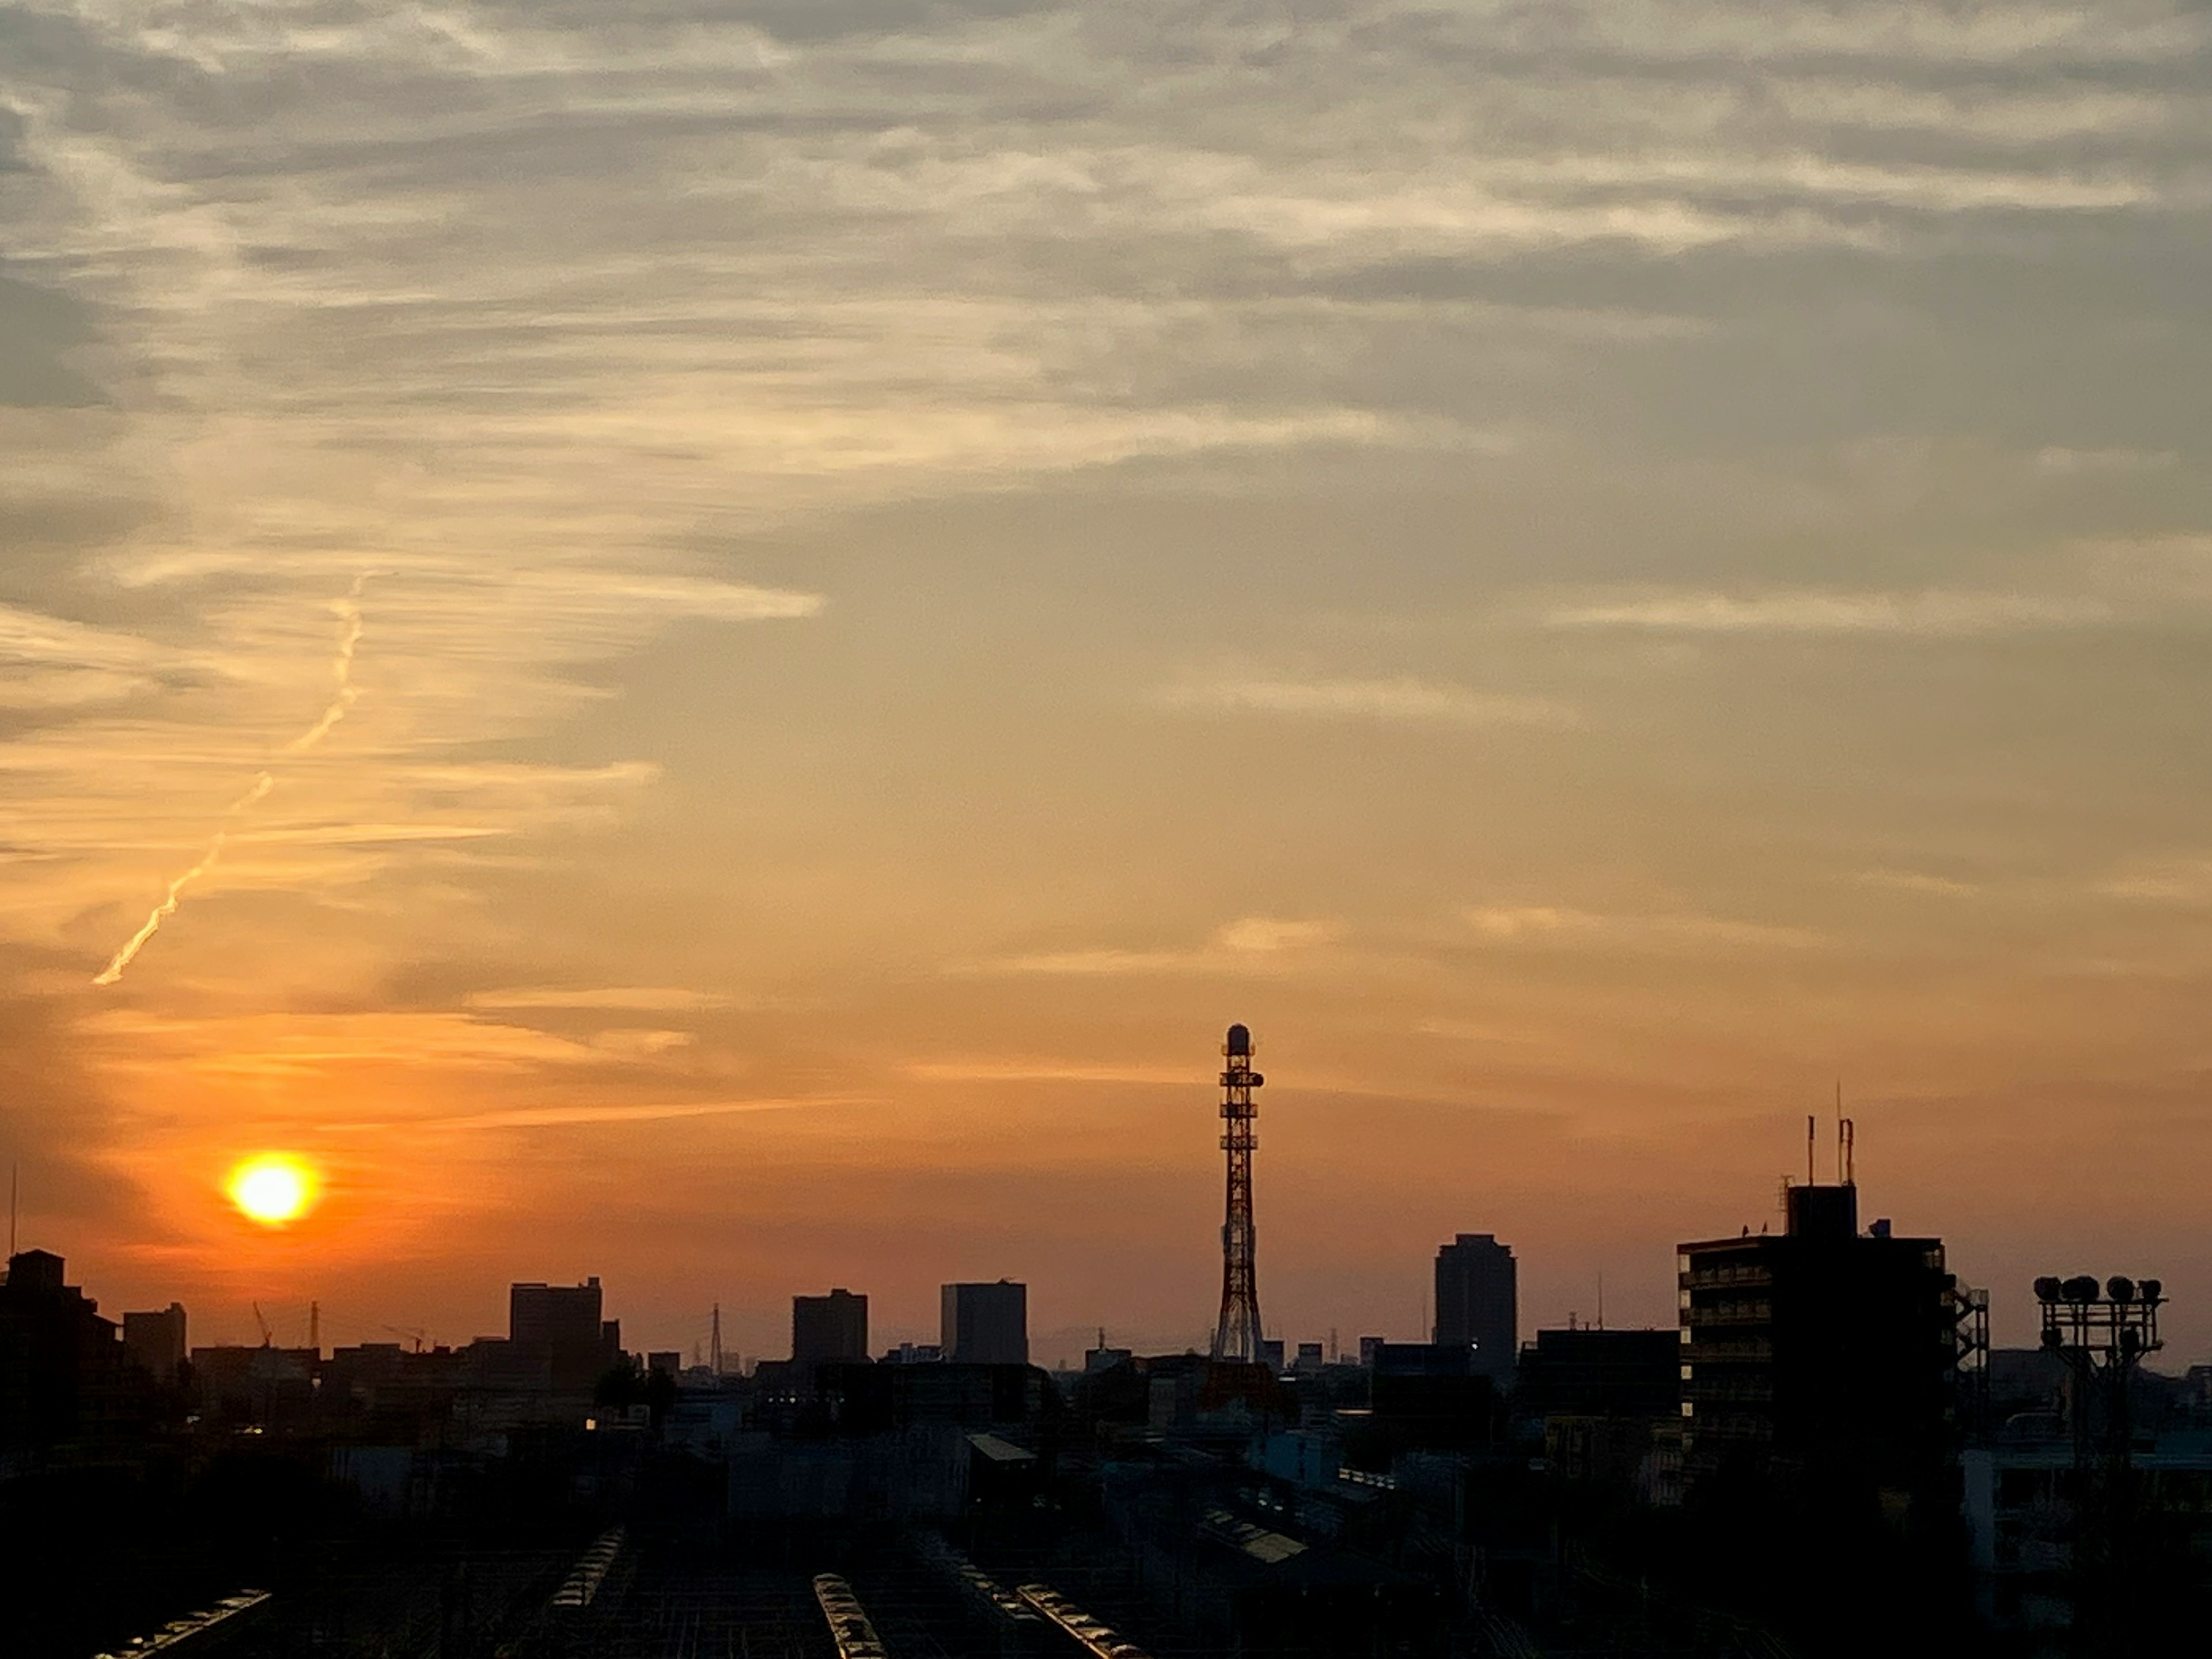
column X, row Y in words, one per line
column 926, row 553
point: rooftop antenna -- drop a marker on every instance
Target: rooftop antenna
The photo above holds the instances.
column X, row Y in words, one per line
column 1812, row 1128
column 715, row 1341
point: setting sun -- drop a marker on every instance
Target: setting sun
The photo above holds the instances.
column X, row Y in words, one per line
column 273, row 1188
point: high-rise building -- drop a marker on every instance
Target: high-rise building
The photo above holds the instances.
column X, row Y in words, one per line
column 557, row 1331
column 1820, row 1360
column 829, row 1329
column 155, row 1341
column 1478, row 1301
column 986, row 1324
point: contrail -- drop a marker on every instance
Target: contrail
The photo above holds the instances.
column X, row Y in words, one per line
column 349, row 609
column 168, row 907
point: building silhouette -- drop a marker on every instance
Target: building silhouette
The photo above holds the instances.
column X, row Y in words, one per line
column 155, row 1341
column 1817, row 1356
column 827, row 1329
column 1819, row 1390
column 1478, row 1301
column 61, row 1366
column 986, row 1324
column 557, row 1333
column 1609, row 1404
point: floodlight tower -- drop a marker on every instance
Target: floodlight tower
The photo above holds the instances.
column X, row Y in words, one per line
column 1237, row 1335
column 2102, row 1339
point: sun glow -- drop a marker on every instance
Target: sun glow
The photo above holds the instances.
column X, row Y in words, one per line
column 273, row 1188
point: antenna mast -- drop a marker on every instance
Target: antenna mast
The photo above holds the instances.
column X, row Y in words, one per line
column 1236, row 1335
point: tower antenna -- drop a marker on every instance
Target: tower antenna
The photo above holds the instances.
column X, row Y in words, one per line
column 1812, row 1128
column 1237, row 1334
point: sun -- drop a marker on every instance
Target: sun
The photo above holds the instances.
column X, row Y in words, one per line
column 273, row 1188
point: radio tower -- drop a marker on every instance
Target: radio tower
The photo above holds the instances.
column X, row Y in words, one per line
column 1238, row 1336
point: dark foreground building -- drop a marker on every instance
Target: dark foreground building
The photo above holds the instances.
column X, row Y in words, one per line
column 1818, row 1387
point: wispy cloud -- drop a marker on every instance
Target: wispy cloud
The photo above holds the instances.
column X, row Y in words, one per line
column 639, row 999
column 1047, row 1071
column 1917, row 881
column 2061, row 462
column 558, row 1117
column 1931, row 612
column 1554, row 925
column 1403, row 699
column 1248, row 944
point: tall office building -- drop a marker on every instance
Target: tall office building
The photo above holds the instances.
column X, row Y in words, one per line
column 156, row 1340
column 557, row 1331
column 1478, row 1301
column 986, row 1324
column 827, row 1329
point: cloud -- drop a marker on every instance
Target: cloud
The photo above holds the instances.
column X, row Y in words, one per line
column 1932, row 612
column 1268, row 934
column 48, row 662
column 2181, row 882
column 2061, row 462
column 1248, row 944
column 627, row 999
column 1917, row 881
column 1047, row 1071
column 555, row 1117
column 1404, row 699
column 1552, row 925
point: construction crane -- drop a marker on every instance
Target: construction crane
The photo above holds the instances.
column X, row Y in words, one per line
column 268, row 1336
column 413, row 1334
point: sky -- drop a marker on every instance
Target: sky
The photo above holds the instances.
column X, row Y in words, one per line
column 740, row 630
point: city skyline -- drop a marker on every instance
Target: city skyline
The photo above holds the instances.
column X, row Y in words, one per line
column 713, row 651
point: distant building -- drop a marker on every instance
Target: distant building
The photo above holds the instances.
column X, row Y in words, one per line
column 827, row 1329
column 1431, row 1396
column 1309, row 1359
column 357, row 1374
column 986, row 1324
column 1369, row 1347
column 559, row 1331
column 663, row 1362
column 1270, row 1353
column 914, row 1353
column 1105, row 1359
column 1609, row 1405
column 1478, row 1301
column 155, row 1341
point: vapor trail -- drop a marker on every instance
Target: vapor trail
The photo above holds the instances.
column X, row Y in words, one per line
column 168, row 907
column 348, row 610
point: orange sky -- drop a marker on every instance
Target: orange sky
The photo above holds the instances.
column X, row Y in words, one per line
column 823, row 601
